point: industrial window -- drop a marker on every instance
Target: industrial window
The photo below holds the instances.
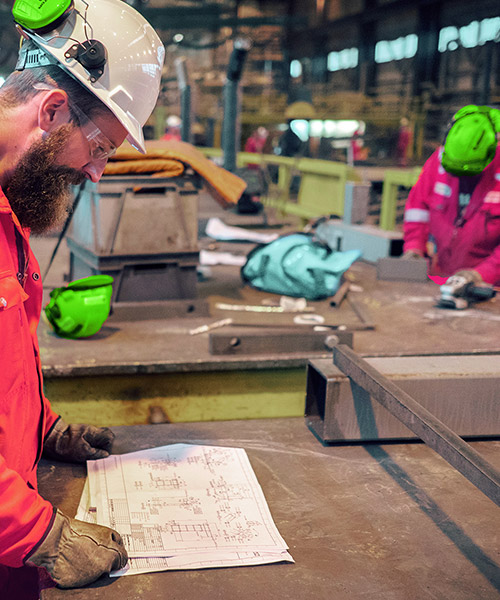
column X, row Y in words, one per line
column 345, row 59
column 474, row 34
column 402, row 47
column 295, row 68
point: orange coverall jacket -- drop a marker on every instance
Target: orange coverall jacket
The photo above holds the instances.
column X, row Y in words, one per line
column 25, row 414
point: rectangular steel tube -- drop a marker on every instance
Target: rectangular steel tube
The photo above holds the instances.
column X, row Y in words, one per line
column 432, row 431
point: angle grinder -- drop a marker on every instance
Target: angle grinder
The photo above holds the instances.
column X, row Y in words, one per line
column 459, row 293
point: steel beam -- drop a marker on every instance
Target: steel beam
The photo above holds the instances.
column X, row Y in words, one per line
column 262, row 340
column 419, row 420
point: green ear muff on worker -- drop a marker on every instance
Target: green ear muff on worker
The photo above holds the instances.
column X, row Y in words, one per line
column 39, row 15
column 471, row 141
column 80, row 309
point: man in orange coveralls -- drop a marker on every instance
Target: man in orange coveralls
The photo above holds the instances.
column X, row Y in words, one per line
column 59, row 124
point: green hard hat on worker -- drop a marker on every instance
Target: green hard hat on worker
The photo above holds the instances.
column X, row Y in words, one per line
column 471, row 141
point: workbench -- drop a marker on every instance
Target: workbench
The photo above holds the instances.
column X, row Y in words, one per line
column 130, row 365
column 362, row 521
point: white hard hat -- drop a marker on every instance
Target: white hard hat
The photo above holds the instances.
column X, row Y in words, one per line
column 129, row 81
column 173, row 121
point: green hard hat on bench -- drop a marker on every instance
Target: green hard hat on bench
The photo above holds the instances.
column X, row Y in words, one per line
column 80, row 309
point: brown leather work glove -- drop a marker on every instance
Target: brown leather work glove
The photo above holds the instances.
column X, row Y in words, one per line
column 78, row 443
column 76, row 553
column 470, row 275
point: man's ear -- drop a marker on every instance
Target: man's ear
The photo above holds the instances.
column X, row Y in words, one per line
column 53, row 110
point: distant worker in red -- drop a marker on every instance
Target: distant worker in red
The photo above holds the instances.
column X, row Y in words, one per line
column 173, row 129
column 404, row 142
column 256, row 143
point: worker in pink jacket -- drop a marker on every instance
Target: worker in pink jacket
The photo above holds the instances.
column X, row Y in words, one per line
column 455, row 220
column 57, row 129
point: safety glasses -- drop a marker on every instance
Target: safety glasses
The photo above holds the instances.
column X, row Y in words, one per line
column 101, row 148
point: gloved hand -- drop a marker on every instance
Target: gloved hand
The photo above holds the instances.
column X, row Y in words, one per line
column 461, row 280
column 412, row 254
column 78, row 443
column 76, row 553
column 470, row 275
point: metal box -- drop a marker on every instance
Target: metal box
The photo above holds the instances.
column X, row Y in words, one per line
column 373, row 242
column 143, row 231
column 462, row 391
column 131, row 215
column 139, row 278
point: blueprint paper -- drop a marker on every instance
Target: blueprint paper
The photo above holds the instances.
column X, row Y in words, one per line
column 183, row 507
column 136, row 566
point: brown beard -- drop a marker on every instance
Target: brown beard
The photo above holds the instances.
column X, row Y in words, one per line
column 39, row 190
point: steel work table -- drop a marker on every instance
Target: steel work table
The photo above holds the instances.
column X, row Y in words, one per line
column 385, row 522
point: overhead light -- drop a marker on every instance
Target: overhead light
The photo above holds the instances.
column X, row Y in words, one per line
column 178, row 37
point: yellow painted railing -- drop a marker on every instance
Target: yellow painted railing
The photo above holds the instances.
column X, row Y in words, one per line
column 393, row 179
column 322, row 182
column 322, row 185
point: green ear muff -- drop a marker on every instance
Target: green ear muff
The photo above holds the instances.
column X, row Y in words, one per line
column 37, row 15
column 81, row 308
column 471, row 142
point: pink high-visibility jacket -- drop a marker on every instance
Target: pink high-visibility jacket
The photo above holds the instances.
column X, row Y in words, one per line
column 25, row 414
column 469, row 242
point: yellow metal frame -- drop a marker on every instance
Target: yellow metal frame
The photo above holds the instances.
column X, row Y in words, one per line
column 393, row 179
column 183, row 397
column 322, row 183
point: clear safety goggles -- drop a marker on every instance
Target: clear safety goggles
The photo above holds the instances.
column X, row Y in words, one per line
column 101, row 148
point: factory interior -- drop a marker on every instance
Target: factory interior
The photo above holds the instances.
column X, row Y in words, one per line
column 263, row 293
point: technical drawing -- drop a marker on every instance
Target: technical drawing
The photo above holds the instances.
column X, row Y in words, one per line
column 184, row 498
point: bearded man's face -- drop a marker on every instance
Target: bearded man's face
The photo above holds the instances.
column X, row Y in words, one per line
column 38, row 189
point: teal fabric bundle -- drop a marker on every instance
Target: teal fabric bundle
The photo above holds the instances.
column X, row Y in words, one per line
column 297, row 265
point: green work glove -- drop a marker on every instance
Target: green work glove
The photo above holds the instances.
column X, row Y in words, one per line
column 76, row 553
column 78, row 443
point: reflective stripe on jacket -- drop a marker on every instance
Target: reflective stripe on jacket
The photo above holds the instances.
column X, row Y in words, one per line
column 25, row 413
column 471, row 242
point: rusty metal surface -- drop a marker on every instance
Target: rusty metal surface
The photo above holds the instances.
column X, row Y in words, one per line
column 419, row 420
column 460, row 390
column 259, row 340
column 405, row 318
column 375, row 521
